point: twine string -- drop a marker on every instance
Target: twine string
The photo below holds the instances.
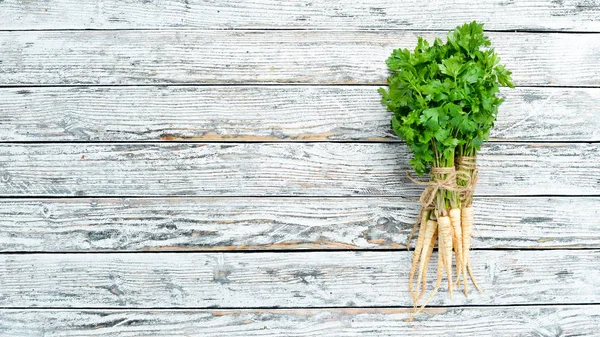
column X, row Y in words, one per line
column 441, row 178
column 468, row 167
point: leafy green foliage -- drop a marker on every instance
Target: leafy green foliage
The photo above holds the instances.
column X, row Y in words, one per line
column 444, row 96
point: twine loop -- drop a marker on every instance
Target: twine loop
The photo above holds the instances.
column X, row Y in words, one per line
column 467, row 166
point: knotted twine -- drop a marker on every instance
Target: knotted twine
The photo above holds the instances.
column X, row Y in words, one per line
column 441, row 178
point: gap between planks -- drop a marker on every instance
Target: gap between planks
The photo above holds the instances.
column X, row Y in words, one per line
column 239, row 142
column 383, row 30
column 403, row 308
column 251, row 84
column 307, row 196
column 285, row 251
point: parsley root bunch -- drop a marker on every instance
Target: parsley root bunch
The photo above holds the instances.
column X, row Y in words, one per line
column 444, row 103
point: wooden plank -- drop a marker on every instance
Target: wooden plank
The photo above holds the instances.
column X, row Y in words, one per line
column 252, row 169
column 468, row 321
column 285, row 280
column 299, row 14
column 96, row 225
column 336, row 57
column 271, row 113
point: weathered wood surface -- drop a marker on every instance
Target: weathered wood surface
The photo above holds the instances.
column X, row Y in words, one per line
column 468, row 321
column 251, row 169
column 96, row 225
column 271, row 113
column 286, row 280
column 300, row 14
column 333, row 57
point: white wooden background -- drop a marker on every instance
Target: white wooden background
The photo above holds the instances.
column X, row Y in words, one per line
column 225, row 168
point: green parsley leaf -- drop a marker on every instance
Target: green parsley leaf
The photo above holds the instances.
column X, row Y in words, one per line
column 443, row 96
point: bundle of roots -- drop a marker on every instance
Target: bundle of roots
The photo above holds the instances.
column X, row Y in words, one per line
column 446, row 218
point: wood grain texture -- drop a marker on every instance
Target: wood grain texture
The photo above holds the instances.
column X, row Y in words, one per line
column 204, row 57
column 252, row 169
column 303, row 14
column 271, row 113
column 98, row 225
column 285, row 280
column 468, row 321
